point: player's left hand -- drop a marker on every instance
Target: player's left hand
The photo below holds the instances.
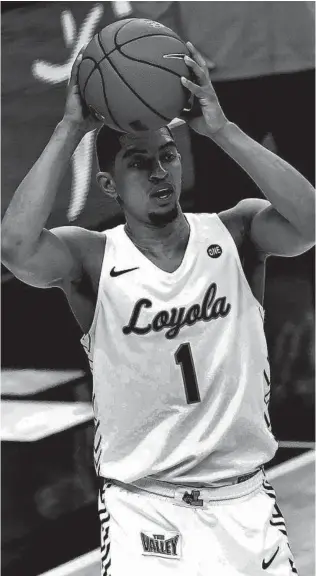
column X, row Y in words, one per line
column 210, row 117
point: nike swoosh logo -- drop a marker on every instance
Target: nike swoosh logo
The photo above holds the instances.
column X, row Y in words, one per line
column 265, row 564
column 115, row 273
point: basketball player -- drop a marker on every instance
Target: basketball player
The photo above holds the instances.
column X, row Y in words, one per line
column 170, row 307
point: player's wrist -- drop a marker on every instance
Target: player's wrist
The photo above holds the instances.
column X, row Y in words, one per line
column 223, row 131
column 70, row 128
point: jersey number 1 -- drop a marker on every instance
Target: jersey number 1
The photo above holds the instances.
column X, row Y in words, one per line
column 183, row 357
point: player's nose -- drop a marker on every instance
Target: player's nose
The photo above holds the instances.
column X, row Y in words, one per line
column 158, row 173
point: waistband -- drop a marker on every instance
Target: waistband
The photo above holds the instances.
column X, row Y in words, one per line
column 196, row 496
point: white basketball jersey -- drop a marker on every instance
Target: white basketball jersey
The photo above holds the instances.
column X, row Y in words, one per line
column 180, row 363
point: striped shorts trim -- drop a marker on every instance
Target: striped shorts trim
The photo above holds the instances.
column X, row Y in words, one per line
column 277, row 520
column 104, row 517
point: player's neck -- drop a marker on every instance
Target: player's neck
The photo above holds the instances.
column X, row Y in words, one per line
column 157, row 240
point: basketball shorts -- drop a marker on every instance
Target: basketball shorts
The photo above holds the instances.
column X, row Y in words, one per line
column 235, row 530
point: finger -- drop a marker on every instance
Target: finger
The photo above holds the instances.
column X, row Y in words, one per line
column 74, row 71
column 200, row 73
column 209, row 63
column 194, row 88
column 82, row 49
column 196, row 55
column 189, row 105
column 187, row 110
column 75, row 66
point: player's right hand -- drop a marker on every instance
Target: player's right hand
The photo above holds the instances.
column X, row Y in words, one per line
column 76, row 112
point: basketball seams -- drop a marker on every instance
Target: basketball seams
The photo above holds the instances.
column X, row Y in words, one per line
column 137, row 95
column 90, row 58
column 144, row 36
column 130, row 87
column 119, row 46
column 121, row 28
column 96, row 67
column 107, row 103
column 90, row 74
column 93, row 60
column 115, row 66
column 148, row 63
column 138, row 38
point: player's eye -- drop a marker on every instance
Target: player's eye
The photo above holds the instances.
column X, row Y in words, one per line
column 137, row 163
column 169, row 156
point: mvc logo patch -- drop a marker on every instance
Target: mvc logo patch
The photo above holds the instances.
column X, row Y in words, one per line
column 214, row 251
column 193, row 498
column 166, row 545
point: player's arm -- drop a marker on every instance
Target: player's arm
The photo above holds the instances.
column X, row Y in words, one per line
column 34, row 254
column 284, row 225
column 269, row 232
column 290, row 217
column 56, row 260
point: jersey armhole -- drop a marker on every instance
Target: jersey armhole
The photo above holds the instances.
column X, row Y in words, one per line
column 242, row 272
column 97, row 305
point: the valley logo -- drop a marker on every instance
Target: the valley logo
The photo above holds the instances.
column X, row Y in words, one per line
column 165, row 545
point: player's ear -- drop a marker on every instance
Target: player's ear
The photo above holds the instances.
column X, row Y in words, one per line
column 107, row 184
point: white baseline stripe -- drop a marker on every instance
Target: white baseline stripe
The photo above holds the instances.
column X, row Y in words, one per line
column 77, row 565
column 299, row 445
column 291, row 465
column 87, row 560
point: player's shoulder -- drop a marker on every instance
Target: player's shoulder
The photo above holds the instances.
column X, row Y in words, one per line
column 238, row 219
column 245, row 210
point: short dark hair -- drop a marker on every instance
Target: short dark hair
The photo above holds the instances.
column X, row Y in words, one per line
column 108, row 145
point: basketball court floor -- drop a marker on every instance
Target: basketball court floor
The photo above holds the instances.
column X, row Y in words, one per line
column 294, row 483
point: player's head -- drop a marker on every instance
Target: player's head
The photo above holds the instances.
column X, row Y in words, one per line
column 142, row 172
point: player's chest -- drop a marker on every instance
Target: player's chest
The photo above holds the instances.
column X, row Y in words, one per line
column 152, row 301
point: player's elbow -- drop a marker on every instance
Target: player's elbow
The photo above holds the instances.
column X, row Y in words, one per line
column 306, row 229
column 10, row 249
column 14, row 251
column 309, row 232
column 306, row 214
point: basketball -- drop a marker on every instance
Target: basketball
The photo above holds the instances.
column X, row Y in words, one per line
column 130, row 74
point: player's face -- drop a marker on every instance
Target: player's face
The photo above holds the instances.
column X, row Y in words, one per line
column 148, row 177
